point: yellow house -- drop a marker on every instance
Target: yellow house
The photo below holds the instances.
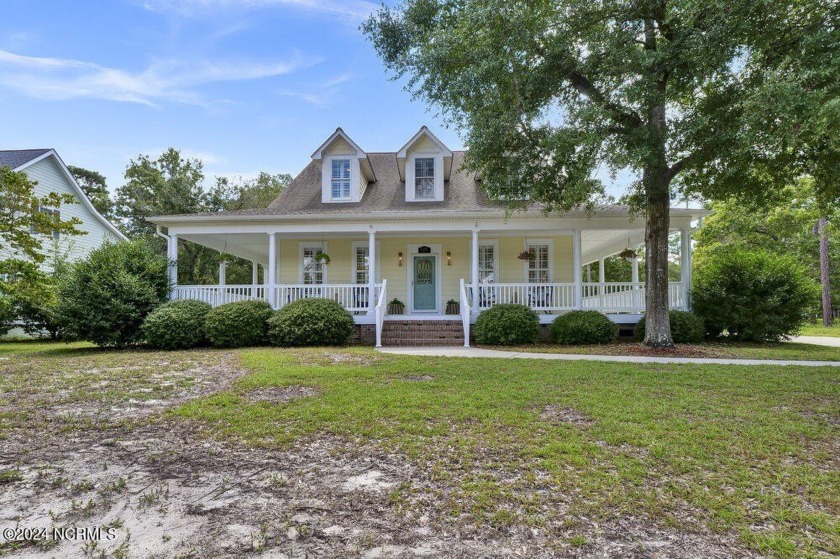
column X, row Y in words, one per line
column 410, row 244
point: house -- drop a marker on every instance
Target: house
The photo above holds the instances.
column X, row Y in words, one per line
column 364, row 228
column 46, row 168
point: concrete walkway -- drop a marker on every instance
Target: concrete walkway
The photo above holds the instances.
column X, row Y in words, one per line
column 499, row 354
column 817, row 340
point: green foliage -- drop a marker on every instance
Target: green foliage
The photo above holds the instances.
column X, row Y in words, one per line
column 783, row 225
column 239, row 324
column 7, row 314
column 752, row 294
column 310, row 322
column 173, row 184
column 176, row 325
column 24, row 226
column 106, row 297
column 686, row 327
column 95, row 188
column 507, row 324
column 583, row 327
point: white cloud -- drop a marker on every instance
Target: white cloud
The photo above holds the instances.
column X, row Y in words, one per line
column 354, row 9
column 163, row 80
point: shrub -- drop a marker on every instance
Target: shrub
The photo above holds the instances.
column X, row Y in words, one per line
column 686, row 327
column 176, row 325
column 507, row 324
column 239, row 324
column 105, row 297
column 309, row 322
column 584, row 327
column 36, row 306
column 752, row 294
column 7, row 314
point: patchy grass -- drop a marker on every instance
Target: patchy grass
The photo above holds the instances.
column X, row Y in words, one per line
column 537, row 455
column 733, row 350
column 822, row 331
column 744, row 449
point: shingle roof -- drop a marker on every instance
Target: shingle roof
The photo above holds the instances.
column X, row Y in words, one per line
column 14, row 158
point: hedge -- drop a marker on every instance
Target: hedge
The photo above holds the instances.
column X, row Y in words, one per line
column 507, row 324
column 310, row 322
column 240, row 324
column 176, row 325
column 583, row 327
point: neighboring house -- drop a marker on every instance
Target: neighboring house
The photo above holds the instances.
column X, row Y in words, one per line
column 52, row 175
column 411, row 224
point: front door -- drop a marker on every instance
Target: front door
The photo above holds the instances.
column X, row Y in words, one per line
column 424, row 283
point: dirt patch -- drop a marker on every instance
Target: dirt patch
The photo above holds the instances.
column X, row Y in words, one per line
column 559, row 414
column 280, row 395
column 419, row 378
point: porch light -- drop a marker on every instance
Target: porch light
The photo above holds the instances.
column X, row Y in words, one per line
column 448, row 257
column 400, row 262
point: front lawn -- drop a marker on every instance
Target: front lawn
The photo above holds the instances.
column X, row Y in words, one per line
column 346, row 452
column 732, row 350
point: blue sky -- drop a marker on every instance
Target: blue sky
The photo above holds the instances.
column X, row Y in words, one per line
column 244, row 85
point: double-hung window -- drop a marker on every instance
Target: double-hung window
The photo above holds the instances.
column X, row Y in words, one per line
column 53, row 215
column 539, row 268
column 424, row 178
column 313, row 270
column 361, row 265
column 486, row 263
column 340, row 179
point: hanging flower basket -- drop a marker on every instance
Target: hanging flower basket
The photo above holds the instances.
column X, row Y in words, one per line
column 322, row 257
column 527, row 255
column 627, row 254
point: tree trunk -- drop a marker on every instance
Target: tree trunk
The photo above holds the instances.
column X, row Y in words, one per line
column 657, row 322
column 828, row 317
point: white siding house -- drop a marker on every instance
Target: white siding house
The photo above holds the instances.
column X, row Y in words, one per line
column 46, row 168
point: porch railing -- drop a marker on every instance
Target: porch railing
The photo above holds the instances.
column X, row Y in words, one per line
column 353, row 297
column 466, row 312
column 380, row 310
column 548, row 297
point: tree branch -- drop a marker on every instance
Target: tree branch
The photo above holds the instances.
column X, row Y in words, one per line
column 622, row 116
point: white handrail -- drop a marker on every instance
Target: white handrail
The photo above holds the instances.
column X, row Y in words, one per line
column 466, row 311
column 379, row 311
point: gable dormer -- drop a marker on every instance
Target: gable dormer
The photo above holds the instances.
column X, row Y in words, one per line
column 424, row 164
column 345, row 169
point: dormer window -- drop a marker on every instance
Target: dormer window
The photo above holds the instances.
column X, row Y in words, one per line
column 340, row 181
column 424, row 178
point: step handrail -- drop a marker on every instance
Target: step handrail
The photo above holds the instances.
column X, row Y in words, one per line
column 379, row 312
column 466, row 311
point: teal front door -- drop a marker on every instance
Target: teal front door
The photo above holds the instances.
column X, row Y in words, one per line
column 424, row 283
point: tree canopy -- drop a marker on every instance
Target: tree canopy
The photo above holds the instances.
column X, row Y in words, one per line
column 550, row 92
column 95, row 188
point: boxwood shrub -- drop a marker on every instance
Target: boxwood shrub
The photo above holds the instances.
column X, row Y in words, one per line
column 176, row 325
column 240, row 324
column 686, row 327
column 584, row 327
column 310, row 322
column 507, row 324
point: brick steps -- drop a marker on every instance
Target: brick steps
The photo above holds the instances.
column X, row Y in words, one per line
column 422, row 333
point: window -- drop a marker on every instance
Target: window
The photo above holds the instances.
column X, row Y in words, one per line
column 486, row 264
column 361, row 266
column 313, row 270
column 424, row 178
column 54, row 215
column 539, row 269
column 340, row 181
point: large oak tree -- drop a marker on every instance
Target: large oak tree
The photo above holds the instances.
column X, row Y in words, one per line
column 550, row 92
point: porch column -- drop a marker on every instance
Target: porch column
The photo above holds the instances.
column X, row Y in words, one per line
column 685, row 265
column 172, row 257
column 634, row 269
column 577, row 276
column 372, row 271
column 271, row 269
column 222, row 273
column 474, row 276
column 255, row 273
column 601, row 271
